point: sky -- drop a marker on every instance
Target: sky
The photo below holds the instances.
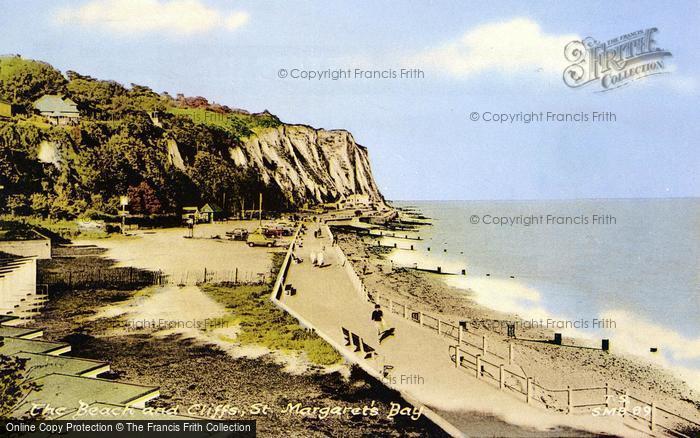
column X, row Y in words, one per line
column 475, row 57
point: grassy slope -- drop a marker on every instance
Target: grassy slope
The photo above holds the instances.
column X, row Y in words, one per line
column 262, row 323
column 239, row 124
column 60, row 230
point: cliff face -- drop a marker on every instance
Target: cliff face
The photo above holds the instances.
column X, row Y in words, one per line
column 309, row 165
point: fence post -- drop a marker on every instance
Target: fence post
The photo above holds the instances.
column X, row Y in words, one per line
column 405, row 311
column 607, row 394
column 420, row 316
column 511, row 352
column 236, row 280
column 569, row 402
column 483, row 345
column 528, row 389
column 459, row 343
column 652, row 419
column 439, row 326
column 478, row 366
column 205, row 274
column 501, row 377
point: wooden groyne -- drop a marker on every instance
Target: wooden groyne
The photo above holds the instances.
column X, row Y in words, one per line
column 394, row 246
column 436, row 270
column 352, row 229
column 404, row 223
column 394, row 236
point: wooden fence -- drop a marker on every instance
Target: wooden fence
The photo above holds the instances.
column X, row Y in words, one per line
column 201, row 276
column 107, row 278
column 128, row 278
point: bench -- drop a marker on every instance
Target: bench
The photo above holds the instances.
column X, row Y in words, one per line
column 356, row 341
column 346, row 336
column 289, row 290
column 352, row 339
column 369, row 351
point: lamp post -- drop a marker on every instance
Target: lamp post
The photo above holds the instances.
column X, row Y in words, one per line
column 260, row 210
column 124, row 201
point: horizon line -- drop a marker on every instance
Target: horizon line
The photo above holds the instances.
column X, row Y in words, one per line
column 549, row 199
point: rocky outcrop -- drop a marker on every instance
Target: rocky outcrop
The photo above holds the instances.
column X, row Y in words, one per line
column 309, row 165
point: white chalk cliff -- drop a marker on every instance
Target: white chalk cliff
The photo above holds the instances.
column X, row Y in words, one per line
column 309, row 165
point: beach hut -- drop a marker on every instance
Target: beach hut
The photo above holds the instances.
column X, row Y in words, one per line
column 211, row 212
column 190, row 213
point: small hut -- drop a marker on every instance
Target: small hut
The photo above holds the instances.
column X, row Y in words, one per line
column 211, row 212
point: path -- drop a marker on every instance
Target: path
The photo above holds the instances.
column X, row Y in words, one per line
column 422, row 368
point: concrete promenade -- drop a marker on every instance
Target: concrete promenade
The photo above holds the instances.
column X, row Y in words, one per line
column 421, row 366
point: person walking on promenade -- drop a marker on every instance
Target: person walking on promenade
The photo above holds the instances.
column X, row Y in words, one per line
column 378, row 319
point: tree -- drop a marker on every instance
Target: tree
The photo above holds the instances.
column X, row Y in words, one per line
column 24, row 81
column 41, row 204
column 93, row 96
column 214, row 176
column 19, row 169
column 17, row 204
column 143, row 199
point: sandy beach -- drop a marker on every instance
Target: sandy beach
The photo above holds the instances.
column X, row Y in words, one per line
column 553, row 366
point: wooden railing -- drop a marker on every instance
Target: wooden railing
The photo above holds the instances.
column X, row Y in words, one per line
column 284, row 269
column 496, row 365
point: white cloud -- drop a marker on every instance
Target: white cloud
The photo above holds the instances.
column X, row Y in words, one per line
column 518, row 45
column 236, row 20
column 137, row 17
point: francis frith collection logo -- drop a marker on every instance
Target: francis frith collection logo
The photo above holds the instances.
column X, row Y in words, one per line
column 616, row 62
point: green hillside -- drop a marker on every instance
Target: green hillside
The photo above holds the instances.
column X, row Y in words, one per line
column 119, row 147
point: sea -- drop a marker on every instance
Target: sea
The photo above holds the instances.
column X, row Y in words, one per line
column 626, row 270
